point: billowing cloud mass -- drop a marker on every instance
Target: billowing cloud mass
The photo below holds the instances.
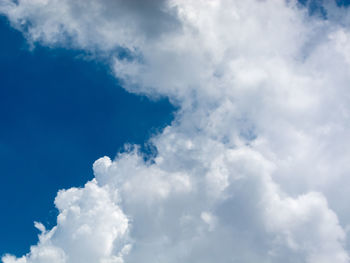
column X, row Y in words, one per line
column 255, row 167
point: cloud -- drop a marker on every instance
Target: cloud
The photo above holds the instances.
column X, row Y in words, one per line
column 89, row 25
column 254, row 168
column 90, row 228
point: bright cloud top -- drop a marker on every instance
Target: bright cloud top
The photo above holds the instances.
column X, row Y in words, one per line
column 255, row 166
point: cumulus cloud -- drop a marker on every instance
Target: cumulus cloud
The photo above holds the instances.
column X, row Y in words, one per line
column 254, row 167
column 90, row 228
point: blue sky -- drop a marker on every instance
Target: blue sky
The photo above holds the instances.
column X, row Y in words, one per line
column 58, row 114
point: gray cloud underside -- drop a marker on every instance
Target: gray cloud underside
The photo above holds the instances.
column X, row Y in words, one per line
column 254, row 168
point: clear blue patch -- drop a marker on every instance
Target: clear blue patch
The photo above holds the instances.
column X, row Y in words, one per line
column 58, row 114
column 315, row 7
column 343, row 2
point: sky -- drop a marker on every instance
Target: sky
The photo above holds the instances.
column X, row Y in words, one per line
column 55, row 106
column 175, row 131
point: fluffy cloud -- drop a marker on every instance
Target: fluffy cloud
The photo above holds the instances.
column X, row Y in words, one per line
column 90, row 228
column 254, row 168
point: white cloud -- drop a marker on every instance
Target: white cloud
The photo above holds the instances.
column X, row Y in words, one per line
column 90, row 228
column 82, row 24
column 254, row 168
